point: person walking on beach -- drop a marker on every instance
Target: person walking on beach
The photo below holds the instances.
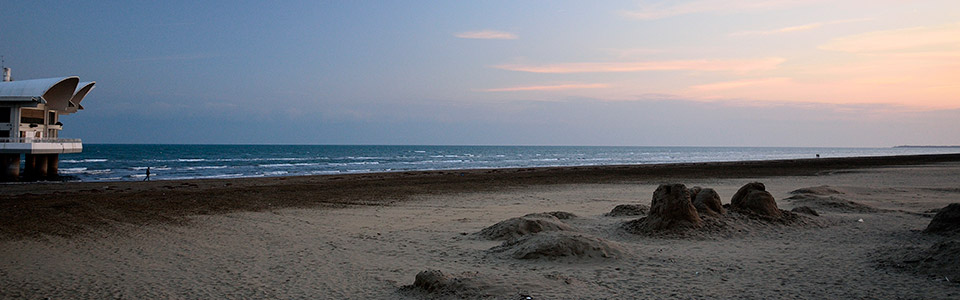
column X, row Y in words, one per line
column 148, row 175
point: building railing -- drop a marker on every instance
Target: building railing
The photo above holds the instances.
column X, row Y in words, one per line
column 38, row 140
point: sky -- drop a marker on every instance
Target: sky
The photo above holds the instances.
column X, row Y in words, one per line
column 804, row 73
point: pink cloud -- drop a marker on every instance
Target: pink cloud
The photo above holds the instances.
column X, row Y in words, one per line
column 558, row 87
column 798, row 28
column 899, row 40
column 743, row 65
column 726, row 85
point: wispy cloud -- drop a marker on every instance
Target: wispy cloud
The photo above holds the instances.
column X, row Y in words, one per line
column 798, row 28
column 486, row 35
column 726, row 85
column 557, row 87
column 632, row 52
column 660, row 10
column 931, row 38
column 743, row 65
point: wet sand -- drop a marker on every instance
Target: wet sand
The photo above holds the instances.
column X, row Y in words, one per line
column 368, row 235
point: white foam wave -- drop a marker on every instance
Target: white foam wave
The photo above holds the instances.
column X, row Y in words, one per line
column 275, row 165
column 87, row 160
column 72, row 170
column 274, row 173
column 205, row 167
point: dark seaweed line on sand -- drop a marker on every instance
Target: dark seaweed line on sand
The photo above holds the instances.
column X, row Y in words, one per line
column 72, row 209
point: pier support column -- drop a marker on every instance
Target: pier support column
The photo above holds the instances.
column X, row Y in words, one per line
column 9, row 167
column 41, row 166
column 53, row 165
column 29, row 166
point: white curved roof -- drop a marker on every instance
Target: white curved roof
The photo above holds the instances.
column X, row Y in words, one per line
column 56, row 92
column 82, row 89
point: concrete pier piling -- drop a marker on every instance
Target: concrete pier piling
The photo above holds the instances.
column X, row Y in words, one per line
column 53, row 165
column 29, row 166
column 35, row 167
column 40, row 166
column 10, row 167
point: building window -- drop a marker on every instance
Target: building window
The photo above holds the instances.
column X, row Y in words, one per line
column 4, row 133
column 52, row 118
column 5, row 114
column 28, row 116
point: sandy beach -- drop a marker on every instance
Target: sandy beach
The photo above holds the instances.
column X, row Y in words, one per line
column 370, row 235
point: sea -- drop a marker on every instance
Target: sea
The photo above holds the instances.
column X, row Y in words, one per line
column 126, row 162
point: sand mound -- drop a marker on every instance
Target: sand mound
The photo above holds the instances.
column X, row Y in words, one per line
column 822, row 190
column 942, row 260
column 732, row 224
column 694, row 191
column 830, row 203
column 562, row 215
column 707, row 202
column 629, row 210
column 464, row 286
column 805, row 210
column 517, row 227
column 754, row 198
column 557, row 245
column 946, row 219
column 670, row 209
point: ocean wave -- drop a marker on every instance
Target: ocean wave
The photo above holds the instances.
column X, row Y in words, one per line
column 72, row 170
column 94, row 172
column 86, row 160
column 276, row 166
column 205, row 168
column 366, row 157
column 321, row 172
column 233, row 175
column 274, row 173
column 160, row 168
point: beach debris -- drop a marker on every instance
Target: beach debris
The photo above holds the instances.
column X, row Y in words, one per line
column 670, row 209
column 558, row 245
column 707, row 202
column 860, row 220
column 629, row 210
column 946, row 219
column 754, row 198
column 805, row 210
column 562, row 215
column 517, row 227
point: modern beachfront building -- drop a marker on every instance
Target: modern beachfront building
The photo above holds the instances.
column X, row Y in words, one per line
column 30, row 124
